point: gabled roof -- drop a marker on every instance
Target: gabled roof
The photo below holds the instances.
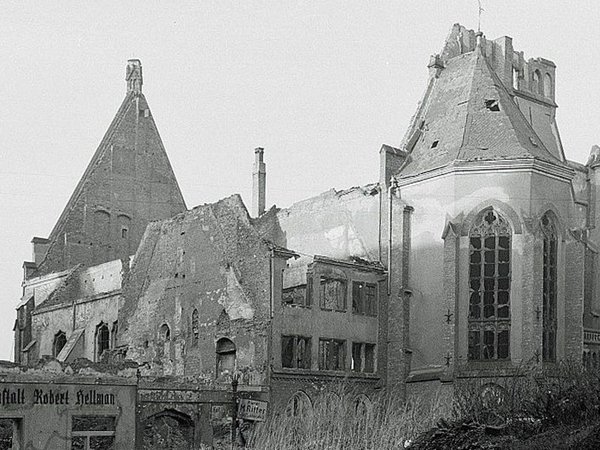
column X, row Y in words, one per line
column 126, row 111
column 467, row 114
column 128, row 183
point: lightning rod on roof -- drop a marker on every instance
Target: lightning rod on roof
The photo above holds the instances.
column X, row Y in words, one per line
column 479, row 11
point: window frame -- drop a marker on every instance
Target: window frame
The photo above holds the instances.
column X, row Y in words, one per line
column 490, row 240
column 295, row 342
column 549, row 288
column 362, row 351
column 87, row 434
column 362, row 306
column 327, row 356
column 323, row 280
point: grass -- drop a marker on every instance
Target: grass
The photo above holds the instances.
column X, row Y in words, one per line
column 523, row 411
column 337, row 422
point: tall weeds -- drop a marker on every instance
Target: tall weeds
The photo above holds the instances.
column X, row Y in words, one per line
column 531, row 401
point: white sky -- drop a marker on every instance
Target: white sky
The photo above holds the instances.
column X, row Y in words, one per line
column 321, row 85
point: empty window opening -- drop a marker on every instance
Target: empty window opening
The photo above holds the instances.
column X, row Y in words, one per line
column 102, row 340
column 434, row 144
column 489, row 288
column 93, row 432
column 549, row 316
column 195, row 328
column 332, row 354
column 492, row 105
column 296, row 296
column 225, row 357
column 333, row 294
column 295, row 352
column 548, row 85
column 364, row 298
column 60, row 339
column 165, row 332
column 363, row 357
column 537, row 85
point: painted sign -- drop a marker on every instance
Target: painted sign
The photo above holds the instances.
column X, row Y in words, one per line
column 65, row 395
column 252, row 410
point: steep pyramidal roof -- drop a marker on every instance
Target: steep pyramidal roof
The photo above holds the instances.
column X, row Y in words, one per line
column 469, row 114
column 128, row 183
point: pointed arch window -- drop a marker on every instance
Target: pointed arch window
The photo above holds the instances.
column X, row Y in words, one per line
column 489, row 287
column 549, row 289
column 60, row 339
column 102, row 340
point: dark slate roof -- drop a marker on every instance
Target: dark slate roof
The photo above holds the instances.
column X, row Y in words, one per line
column 454, row 124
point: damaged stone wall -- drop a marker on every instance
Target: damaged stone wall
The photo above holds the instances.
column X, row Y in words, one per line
column 199, row 277
column 78, row 300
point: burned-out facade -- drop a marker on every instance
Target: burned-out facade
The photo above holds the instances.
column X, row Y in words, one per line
column 472, row 255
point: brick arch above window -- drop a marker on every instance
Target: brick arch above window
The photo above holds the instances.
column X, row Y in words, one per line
column 505, row 210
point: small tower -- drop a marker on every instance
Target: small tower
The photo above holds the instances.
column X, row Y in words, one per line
column 259, row 182
column 134, row 76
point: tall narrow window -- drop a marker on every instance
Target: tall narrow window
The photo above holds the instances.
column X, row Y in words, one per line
column 225, row 357
column 332, row 354
column 60, row 339
column 489, row 287
column 195, row 328
column 549, row 290
column 102, row 339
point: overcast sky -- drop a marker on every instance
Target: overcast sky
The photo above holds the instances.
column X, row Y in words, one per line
column 320, row 85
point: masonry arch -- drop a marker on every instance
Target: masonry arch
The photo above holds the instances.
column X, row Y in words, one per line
column 548, row 85
column 299, row 405
column 537, row 85
column 168, row 429
column 226, row 354
column 505, row 210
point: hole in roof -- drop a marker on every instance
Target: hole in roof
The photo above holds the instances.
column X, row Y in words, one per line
column 492, row 105
column 533, row 141
column 435, row 144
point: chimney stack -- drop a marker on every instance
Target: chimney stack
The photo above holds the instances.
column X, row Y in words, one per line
column 259, row 182
column 133, row 76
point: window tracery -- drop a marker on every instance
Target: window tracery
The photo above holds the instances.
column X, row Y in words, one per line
column 549, row 290
column 489, row 287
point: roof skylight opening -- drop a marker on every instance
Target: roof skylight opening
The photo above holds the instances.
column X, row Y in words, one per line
column 435, row 144
column 492, row 105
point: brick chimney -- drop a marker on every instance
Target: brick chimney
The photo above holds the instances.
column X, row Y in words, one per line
column 133, row 76
column 259, row 182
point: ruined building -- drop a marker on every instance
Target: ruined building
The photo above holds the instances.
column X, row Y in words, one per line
column 474, row 253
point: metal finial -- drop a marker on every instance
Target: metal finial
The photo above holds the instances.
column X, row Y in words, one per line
column 479, row 11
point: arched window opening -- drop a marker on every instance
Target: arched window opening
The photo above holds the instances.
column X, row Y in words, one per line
column 548, row 85
column 299, row 405
column 536, row 82
column 60, row 339
column 195, row 328
column 165, row 333
column 489, row 287
column 549, row 319
column 102, row 340
column 225, row 357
